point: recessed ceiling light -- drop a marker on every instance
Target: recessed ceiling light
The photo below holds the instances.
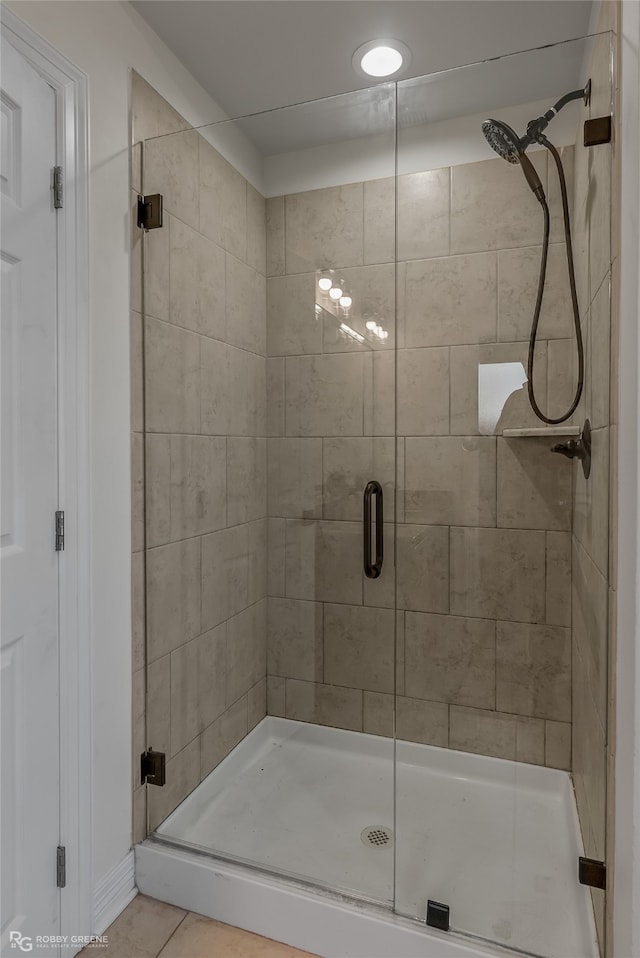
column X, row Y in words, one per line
column 381, row 58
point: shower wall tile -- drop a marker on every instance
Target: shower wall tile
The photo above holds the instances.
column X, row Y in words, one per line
column 138, row 729
column 137, row 492
column 258, row 538
column 450, row 481
column 293, row 328
column 173, row 596
column 323, row 561
column 422, row 581
column 137, row 610
column 183, row 774
column 151, row 115
column 246, row 479
column 347, row 466
column 359, row 647
column 246, row 323
column 185, row 724
column 600, row 356
column 197, row 489
column 492, row 207
column 518, row 272
column 225, row 574
column 324, row 395
column 158, row 705
column 295, row 639
column 219, row 738
column 222, row 200
column 246, row 650
column 324, row 228
column 591, row 502
column 233, row 389
column 276, row 535
column 498, row 574
column 172, row 379
column 324, row 705
column 534, row 487
column 557, row 745
column 599, row 216
column 158, row 489
column 373, row 290
column 294, row 478
column 423, row 198
column 447, row 301
column 503, row 402
column 196, row 278
column 589, row 612
column 276, row 696
column 136, row 359
column 256, row 230
column 424, row 722
column 378, row 712
column 533, row 670
column 210, row 682
column 256, row 703
column 567, row 155
column 156, row 245
column 275, row 396
column 494, row 733
column 275, row 235
column 379, row 394
column 136, row 238
column 380, row 220
column 381, row 592
column 562, row 380
column 171, row 168
column 423, row 392
column 558, row 597
column 450, row 659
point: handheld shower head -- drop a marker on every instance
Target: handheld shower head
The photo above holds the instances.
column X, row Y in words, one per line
column 510, row 147
column 502, row 139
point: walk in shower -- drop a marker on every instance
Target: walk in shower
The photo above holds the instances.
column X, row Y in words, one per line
column 370, row 603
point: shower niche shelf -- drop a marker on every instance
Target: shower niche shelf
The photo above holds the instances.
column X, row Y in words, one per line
column 541, row 432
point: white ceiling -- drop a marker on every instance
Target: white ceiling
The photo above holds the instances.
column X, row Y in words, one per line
column 256, row 55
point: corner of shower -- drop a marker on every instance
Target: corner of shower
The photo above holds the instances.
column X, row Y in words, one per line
column 370, row 620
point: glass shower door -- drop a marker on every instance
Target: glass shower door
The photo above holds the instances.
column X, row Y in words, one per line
column 269, row 462
column 499, row 673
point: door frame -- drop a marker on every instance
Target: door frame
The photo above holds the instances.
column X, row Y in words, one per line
column 70, row 85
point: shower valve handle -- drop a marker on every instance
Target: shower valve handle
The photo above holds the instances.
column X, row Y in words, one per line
column 578, row 448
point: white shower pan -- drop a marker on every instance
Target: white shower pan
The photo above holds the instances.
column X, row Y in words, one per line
column 497, row 841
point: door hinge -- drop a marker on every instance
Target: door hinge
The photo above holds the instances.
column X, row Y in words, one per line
column 150, row 211
column 61, row 866
column 58, row 188
column 592, row 873
column 153, row 767
column 59, row 531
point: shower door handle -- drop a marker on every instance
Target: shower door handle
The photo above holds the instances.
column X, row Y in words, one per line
column 373, row 570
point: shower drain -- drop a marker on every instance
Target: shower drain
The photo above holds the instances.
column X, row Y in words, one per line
column 377, row 836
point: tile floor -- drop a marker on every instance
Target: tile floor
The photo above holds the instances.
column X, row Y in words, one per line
column 152, row 929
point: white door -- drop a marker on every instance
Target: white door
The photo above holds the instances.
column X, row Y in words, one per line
column 29, row 713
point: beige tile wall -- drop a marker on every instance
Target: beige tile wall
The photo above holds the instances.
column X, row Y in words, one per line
column 483, row 550
column 592, row 547
column 199, row 456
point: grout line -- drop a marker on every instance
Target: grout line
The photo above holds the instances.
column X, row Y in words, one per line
column 184, row 917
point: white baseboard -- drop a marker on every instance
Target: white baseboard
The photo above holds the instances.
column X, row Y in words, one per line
column 113, row 893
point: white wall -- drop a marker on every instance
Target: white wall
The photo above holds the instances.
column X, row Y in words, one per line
column 105, row 39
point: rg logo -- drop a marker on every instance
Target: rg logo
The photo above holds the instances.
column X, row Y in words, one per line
column 20, row 941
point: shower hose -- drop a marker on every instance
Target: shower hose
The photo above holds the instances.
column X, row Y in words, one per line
column 574, row 297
